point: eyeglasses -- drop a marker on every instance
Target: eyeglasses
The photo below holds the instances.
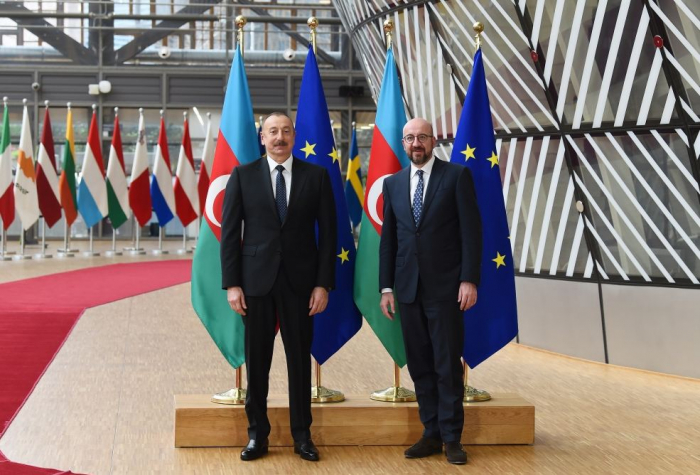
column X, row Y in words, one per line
column 421, row 138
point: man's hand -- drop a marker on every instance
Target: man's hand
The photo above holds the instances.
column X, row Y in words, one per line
column 236, row 300
column 318, row 301
column 387, row 305
column 467, row 295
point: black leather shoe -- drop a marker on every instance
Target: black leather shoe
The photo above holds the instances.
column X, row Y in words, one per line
column 307, row 450
column 255, row 449
column 423, row 448
column 455, row 453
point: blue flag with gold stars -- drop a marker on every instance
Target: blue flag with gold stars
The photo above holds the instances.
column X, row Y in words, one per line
column 493, row 321
column 315, row 143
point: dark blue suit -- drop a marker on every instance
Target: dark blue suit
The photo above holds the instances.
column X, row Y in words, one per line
column 425, row 264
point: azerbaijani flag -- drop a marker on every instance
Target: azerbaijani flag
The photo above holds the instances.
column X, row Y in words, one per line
column 493, row 321
column 26, row 199
column 139, row 192
column 185, row 188
column 314, row 143
column 162, row 194
column 386, row 158
column 237, row 144
column 66, row 183
column 46, row 176
column 353, row 183
column 117, row 190
column 205, row 166
column 7, row 197
column 92, row 191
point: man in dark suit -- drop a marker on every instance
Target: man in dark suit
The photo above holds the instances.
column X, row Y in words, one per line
column 274, row 270
column 430, row 251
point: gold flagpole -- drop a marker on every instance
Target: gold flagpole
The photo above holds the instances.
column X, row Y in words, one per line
column 394, row 393
column 472, row 394
column 235, row 396
column 320, row 394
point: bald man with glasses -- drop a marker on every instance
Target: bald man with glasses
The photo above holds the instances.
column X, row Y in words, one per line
column 430, row 253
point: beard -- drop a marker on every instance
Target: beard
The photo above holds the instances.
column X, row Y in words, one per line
column 420, row 156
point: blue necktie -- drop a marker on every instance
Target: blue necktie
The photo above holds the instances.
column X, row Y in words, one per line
column 281, row 193
column 418, row 198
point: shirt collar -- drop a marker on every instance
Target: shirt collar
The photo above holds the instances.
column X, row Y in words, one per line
column 427, row 168
column 287, row 164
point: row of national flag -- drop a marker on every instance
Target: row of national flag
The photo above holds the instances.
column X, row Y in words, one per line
column 489, row 325
column 37, row 189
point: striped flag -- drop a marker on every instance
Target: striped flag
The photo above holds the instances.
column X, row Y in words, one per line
column 353, row 183
column 117, row 191
column 7, row 197
column 185, row 188
column 237, row 144
column 386, row 158
column 66, row 182
column 205, row 167
column 26, row 198
column 162, row 180
column 46, row 176
column 139, row 193
column 92, row 190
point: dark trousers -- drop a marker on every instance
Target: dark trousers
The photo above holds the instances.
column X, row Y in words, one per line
column 296, row 327
column 433, row 333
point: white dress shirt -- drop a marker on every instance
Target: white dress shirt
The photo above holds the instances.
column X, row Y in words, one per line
column 287, row 174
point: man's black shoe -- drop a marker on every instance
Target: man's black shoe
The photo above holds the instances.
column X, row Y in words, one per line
column 255, row 449
column 455, row 453
column 307, row 450
column 423, row 448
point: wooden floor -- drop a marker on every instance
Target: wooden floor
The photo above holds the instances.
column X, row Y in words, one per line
column 106, row 403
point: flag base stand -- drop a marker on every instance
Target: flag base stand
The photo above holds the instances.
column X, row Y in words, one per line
column 42, row 256
column 136, row 252
column 320, row 394
column 159, row 252
column 232, row 397
column 21, row 257
column 235, row 396
column 184, row 251
column 113, row 253
column 62, row 253
column 90, row 254
column 471, row 394
column 395, row 393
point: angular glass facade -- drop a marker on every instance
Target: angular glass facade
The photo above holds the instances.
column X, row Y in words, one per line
column 596, row 102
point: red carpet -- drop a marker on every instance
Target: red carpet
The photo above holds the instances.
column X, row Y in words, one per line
column 37, row 315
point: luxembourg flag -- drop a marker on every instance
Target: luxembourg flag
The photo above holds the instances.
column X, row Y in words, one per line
column 92, row 191
column 162, row 181
column 185, row 188
column 205, row 167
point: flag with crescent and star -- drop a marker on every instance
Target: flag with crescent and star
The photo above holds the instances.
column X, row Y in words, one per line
column 237, row 145
column 315, row 144
column 493, row 321
column 386, row 158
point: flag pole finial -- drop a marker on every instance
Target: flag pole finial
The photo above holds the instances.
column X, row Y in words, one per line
column 68, row 104
column 24, row 101
column 116, row 112
column 478, row 28
column 4, row 100
column 388, row 28
column 209, row 115
column 46, row 103
column 140, row 110
column 353, row 124
column 94, row 108
column 313, row 23
column 161, row 113
column 184, row 114
column 240, row 23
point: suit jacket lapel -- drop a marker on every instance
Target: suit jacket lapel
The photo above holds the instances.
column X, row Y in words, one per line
column 298, row 181
column 405, row 187
column 266, row 178
column 433, row 185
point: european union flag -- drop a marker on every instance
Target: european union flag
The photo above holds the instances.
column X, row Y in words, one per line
column 353, row 183
column 493, row 321
column 315, row 143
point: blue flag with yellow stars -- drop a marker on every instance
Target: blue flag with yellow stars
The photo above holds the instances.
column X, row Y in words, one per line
column 353, row 183
column 493, row 321
column 315, row 143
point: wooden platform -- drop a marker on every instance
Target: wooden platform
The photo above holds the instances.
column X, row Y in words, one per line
column 506, row 419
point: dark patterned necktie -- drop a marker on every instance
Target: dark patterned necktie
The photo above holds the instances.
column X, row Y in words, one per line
column 418, row 198
column 281, row 193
